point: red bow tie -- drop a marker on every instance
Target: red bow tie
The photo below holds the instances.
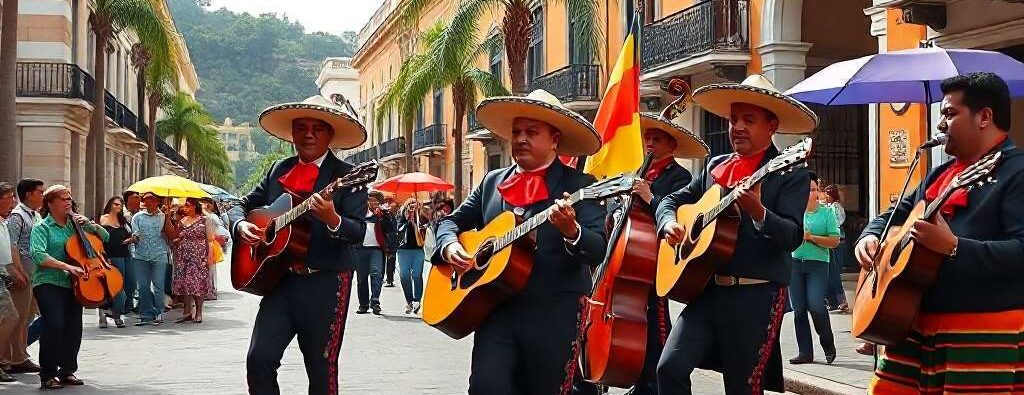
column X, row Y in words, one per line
column 735, row 169
column 957, row 199
column 525, row 188
column 300, row 179
column 657, row 167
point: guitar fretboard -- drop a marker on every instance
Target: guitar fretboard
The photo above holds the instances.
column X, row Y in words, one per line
column 532, row 223
column 291, row 215
column 728, row 200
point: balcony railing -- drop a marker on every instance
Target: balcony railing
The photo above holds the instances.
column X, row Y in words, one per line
column 68, row 81
column 391, row 147
column 472, row 124
column 429, row 137
column 572, row 83
column 710, row 26
column 363, row 156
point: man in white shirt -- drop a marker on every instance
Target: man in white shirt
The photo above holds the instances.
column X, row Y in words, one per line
column 9, row 322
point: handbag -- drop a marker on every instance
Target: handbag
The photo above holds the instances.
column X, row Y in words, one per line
column 216, row 252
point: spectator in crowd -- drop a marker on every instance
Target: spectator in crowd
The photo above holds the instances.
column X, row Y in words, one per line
column 192, row 259
column 10, row 276
column 391, row 240
column 151, row 229
column 62, row 334
column 132, row 204
column 413, row 220
column 836, row 297
column 810, row 279
column 370, row 256
column 19, row 225
column 223, row 239
column 118, row 252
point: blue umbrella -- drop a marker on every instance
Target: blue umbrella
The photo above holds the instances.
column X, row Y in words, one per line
column 908, row 76
column 218, row 193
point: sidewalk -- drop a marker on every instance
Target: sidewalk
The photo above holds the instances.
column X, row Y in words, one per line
column 849, row 374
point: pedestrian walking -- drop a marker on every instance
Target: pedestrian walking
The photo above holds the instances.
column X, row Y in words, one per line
column 413, row 220
column 192, row 260
column 14, row 353
column 118, row 253
column 151, row 228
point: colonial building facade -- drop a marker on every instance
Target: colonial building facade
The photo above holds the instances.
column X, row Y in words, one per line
column 861, row 148
column 55, row 92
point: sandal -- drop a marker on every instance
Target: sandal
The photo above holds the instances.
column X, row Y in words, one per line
column 186, row 318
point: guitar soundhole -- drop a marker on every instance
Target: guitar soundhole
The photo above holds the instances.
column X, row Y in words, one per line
column 269, row 234
column 697, row 228
column 481, row 261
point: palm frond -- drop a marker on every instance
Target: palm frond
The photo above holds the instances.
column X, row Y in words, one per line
column 587, row 30
column 141, row 17
column 487, row 84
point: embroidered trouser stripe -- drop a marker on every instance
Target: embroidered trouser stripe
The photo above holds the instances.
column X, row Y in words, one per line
column 777, row 311
column 337, row 333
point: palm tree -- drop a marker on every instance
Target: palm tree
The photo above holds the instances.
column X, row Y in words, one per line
column 449, row 61
column 10, row 135
column 515, row 28
column 109, row 17
column 407, row 107
column 188, row 124
column 159, row 76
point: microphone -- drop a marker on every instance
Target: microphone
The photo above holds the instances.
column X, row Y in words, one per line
column 939, row 139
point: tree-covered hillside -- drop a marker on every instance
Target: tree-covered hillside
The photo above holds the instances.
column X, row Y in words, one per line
column 247, row 63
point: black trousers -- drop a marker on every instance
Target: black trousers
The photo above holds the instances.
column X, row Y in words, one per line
column 62, row 335
column 314, row 308
column 525, row 346
column 727, row 329
column 389, row 267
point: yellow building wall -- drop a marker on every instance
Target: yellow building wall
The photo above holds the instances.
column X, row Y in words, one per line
column 669, row 7
column 899, row 36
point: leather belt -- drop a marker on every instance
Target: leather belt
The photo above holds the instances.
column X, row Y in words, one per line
column 730, row 281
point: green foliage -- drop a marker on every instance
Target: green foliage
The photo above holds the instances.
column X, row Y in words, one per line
column 185, row 120
column 262, row 167
column 248, row 63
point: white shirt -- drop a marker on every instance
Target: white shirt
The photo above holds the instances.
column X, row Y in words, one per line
column 370, row 237
column 5, row 245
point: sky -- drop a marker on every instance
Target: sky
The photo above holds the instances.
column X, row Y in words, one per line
column 333, row 16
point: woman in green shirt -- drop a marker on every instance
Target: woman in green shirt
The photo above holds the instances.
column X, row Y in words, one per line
column 809, row 283
column 51, row 285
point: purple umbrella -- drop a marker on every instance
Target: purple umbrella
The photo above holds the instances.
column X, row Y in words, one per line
column 908, row 76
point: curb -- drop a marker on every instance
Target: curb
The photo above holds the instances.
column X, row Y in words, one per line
column 805, row 384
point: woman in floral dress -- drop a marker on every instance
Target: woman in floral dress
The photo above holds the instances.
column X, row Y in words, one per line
column 192, row 260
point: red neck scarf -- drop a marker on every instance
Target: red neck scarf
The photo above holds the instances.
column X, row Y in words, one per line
column 300, row 179
column 525, row 188
column 959, row 197
column 657, row 167
column 736, row 168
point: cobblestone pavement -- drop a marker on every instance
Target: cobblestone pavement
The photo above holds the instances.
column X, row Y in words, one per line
column 393, row 354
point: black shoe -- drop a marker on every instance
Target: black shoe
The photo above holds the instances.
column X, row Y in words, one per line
column 363, row 310
column 389, row 285
column 71, row 380
column 25, row 367
column 6, row 378
column 51, row 384
column 829, row 358
column 376, row 310
column 802, row 359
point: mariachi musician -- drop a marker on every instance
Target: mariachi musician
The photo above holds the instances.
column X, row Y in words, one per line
column 733, row 327
column 527, row 344
column 664, row 141
column 311, row 302
column 969, row 334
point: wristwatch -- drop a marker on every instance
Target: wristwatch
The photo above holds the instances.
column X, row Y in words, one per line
column 952, row 253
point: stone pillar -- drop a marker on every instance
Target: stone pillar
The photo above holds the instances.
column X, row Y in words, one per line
column 784, row 63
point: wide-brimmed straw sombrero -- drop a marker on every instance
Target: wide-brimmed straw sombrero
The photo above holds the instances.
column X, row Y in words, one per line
column 794, row 116
column 578, row 135
column 688, row 145
column 348, row 131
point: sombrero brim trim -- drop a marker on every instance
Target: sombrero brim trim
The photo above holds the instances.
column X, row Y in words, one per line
column 348, row 132
column 579, row 138
column 794, row 116
column 688, row 144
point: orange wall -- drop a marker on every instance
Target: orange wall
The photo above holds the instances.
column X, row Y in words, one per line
column 669, row 7
column 899, row 36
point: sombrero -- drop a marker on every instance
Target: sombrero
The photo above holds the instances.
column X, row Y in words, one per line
column 688, row 145
column 578, row 135
column 348, row 132
column 794, row 116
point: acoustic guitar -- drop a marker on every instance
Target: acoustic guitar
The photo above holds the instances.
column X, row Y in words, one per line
column 889, row 294
column 457, row 303
column 712, row 228
column 258, row 268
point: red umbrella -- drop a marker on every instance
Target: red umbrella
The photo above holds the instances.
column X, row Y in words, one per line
column 411, row 183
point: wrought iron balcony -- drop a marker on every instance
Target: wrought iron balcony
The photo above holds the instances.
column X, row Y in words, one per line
column 68, row 81
column 572, row 83
column 429, row 137
column 472, row 124
column 709, row 26
column 392, row 147
column 363, row 156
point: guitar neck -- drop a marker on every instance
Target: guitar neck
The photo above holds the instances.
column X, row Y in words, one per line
column 532, row 223
column 729, row 199
column 291, row 215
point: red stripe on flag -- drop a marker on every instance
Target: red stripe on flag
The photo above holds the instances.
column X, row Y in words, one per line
column 618, row 105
